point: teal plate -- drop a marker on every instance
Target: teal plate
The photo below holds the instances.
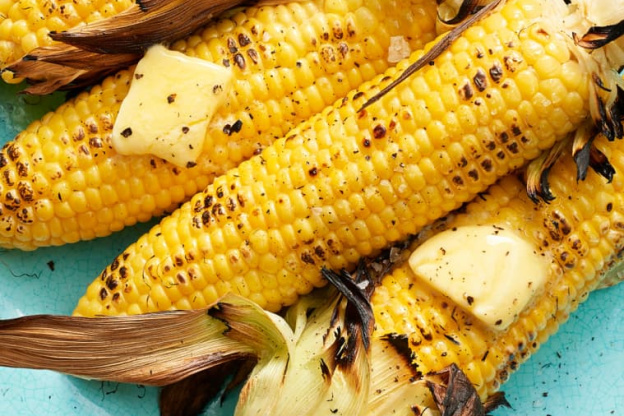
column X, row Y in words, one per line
column 580, row 371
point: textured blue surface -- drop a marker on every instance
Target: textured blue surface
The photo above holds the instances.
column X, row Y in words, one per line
column 579, row 372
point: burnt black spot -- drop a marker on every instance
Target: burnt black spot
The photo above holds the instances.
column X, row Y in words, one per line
column 513, row 147
column 127, row 132
column 243, row 40
column 83, row 149
column 318, row 250
column 103, row 293
column 123, row 272
column 231, row 44
column 480, row 80
column 111, row 283
column 239, row 60
column 25, row 191
column 511, row 63
column 241, row 200
column 466, row 92
column 487, row 165
column 337, row 32
column 313, row 171
column 95, row 142
column 205, row 218
column 9, row 177
column 208, row 201
column 217, row 209
column 171, row 98
column 178, row 261
column 307, row 258
column 115, row 264
column 496, row 72
column 236, row 127
column 379, row 131
column 343, row 48
column 253, row 55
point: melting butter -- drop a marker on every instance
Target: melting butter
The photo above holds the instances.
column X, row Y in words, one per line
column 171, row 100
column 491, row 272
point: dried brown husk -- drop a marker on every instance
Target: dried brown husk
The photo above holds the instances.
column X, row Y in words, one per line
column 88, row 53
column 144, row 24
column 454, row 395
column 63, row 67
column 152, row 349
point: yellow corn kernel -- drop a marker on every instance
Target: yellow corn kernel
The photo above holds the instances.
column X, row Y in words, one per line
column 265, row 96
column 363, row 156
column 579, row 248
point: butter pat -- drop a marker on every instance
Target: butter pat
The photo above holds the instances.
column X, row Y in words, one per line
column 171, row 100
column 491, row 272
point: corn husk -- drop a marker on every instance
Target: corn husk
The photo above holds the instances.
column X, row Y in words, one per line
column 88, row 53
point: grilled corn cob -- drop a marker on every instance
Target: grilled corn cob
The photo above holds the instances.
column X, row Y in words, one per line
column 578, row 234
column 26, row 24
column 419, row 330
column 346, row 183
column 61, row 181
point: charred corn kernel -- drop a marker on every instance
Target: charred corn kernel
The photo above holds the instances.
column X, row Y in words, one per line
column 577, row 243
column 25, row 24
column 260, row 108
column 365, row 146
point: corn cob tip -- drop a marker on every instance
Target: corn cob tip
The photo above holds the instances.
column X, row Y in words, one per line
column 607, row 101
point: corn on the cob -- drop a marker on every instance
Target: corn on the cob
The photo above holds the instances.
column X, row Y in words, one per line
column 61, row 181
column 346, row 182
column 580, row 232
column 26, row 24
